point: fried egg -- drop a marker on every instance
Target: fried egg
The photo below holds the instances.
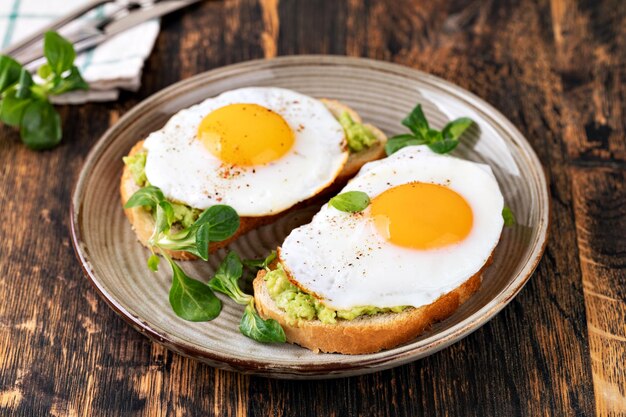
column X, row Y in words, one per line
column 260, row 150
column 432, row 223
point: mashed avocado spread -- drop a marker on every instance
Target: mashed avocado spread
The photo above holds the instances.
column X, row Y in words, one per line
column 183, row 214
column 358, row 135
column 299, row 305
column 137, row 165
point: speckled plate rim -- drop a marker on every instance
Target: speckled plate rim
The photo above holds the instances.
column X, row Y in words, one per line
column 356, row 366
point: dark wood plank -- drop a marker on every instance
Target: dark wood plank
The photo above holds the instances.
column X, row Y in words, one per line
column 63, row 352
column 589, row 40
column 600, row 208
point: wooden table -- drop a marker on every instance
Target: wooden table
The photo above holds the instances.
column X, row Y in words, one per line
column 556, row 69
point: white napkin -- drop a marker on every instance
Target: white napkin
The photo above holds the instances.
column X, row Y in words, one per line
column 109, row 67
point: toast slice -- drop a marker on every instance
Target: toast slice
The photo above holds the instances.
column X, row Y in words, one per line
column 364, row 334
column 142, row 221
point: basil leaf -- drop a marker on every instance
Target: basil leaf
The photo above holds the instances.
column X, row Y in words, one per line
column 222, row 222
column 416, row 121
column 455, row 128
column 12, row 108
column 191, row 299
column 59, row 52
column 226, row 279
column 23, row 86
column 153, row 262
column 40, row 125
column 395, row 143
column 264, row 331
column 9, row 72
column 73, row 81
column 149, row 196
column 508, row 216
column 351, row 201
column 260, row 263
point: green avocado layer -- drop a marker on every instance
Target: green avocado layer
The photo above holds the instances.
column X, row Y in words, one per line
column 299, row 305
column 358, row 135
column 137, row 165
column 183, row 214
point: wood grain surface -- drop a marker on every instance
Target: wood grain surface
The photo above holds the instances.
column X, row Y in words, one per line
column 556, row 68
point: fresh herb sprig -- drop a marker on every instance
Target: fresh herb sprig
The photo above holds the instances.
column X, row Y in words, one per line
column 226, row 281
column 24, row 102
column 190, row 299
column 439, row 141
column 350, row 201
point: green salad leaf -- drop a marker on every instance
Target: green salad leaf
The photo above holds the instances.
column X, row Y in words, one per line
column 153, row 262
column 215, row 224
column 416, row 121
column 350, row 201
column 191, row 299
column 398, row 142
column 226, row 281
column 58, row 52
column 508, row 216
column 40, row 126
column 261, row 263
column 24, row 103
column 149, row 196
column 256, row 328
column 440, row 142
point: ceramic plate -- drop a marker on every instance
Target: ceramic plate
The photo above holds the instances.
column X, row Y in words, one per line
column 383, row 94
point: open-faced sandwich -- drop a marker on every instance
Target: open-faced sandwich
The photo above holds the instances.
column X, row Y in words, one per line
column 259, row 150
column 401, row 247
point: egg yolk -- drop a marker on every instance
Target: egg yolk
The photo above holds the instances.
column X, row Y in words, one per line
column 245, row 134
column 422, row 216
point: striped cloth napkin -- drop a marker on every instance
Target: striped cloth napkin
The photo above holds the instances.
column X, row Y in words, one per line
column 109, row 67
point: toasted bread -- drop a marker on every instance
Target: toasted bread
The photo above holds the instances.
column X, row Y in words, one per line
column 142, row 221
column 365, row 334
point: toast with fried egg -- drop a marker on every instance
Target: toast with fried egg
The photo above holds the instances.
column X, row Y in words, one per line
column 142, row 221
column 365, row 334
column 363, row 277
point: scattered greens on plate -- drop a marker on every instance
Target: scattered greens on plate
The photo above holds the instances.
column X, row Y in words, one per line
column 194, row 300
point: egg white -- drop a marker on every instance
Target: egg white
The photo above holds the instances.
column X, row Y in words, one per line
column 343, row 259
column 187, row 172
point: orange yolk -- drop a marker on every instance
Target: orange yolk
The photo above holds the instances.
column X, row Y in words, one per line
column 422, row 216
column 245, row 134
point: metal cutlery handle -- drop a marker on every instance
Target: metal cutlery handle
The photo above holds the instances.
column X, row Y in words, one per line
column 94, row 34
column 64, row 20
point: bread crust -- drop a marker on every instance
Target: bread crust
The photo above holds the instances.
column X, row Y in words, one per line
column 142, row 221
column 366, row 334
